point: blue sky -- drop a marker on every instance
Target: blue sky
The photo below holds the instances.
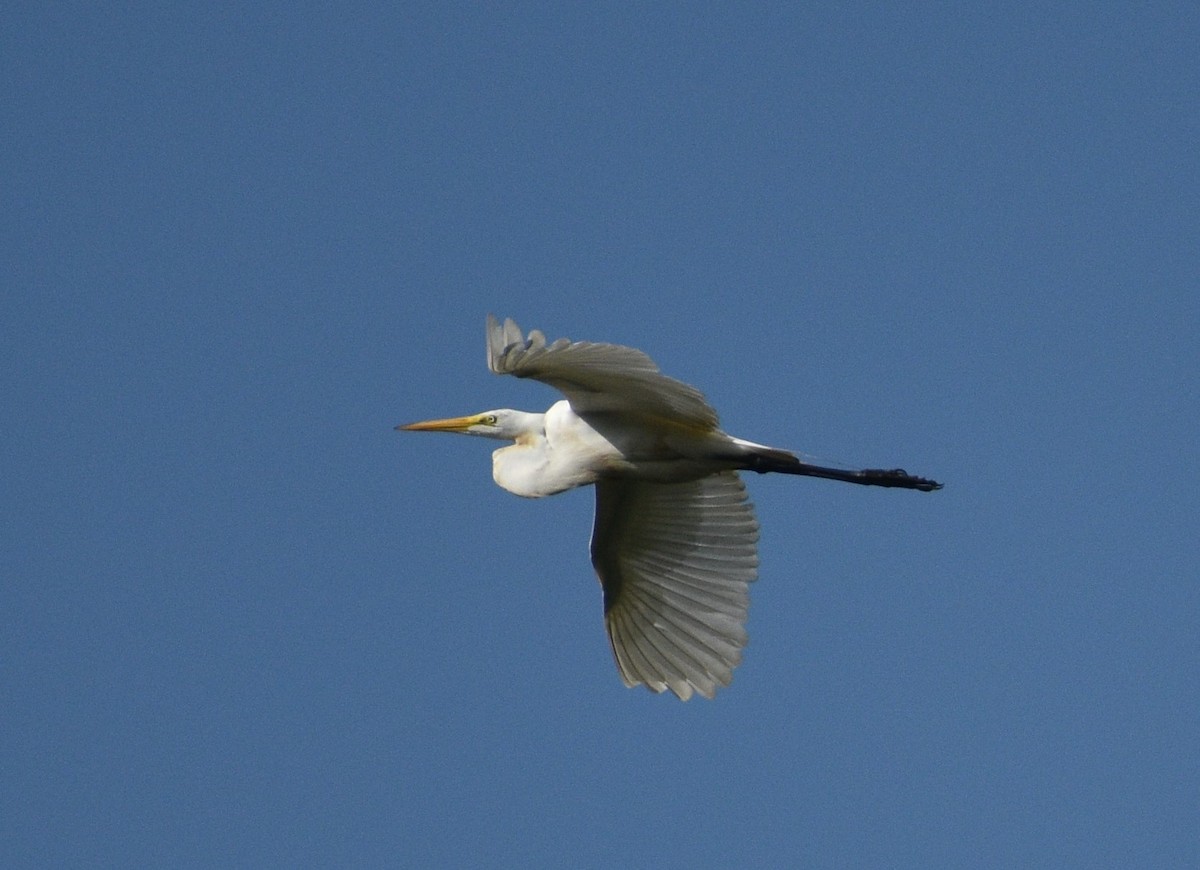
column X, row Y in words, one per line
column 245, row 622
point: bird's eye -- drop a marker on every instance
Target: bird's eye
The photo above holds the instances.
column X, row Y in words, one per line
column 490, row 419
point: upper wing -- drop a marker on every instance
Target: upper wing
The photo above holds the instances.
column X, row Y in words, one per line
column 675, row 561
column 596, row 377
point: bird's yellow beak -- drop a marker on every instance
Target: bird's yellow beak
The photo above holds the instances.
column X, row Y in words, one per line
column 452, row 424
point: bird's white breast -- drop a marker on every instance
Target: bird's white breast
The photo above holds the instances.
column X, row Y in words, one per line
column 569, row 454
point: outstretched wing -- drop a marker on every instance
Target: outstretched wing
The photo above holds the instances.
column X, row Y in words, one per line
column 596, row 377
column 675, row 561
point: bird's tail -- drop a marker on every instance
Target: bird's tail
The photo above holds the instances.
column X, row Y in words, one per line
column 770, row 459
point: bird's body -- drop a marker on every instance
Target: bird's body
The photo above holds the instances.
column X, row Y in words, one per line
column 560, row 450
column 675, row 539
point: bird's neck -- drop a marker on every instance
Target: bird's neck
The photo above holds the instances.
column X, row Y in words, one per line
column 528, row 425
column 520, row 468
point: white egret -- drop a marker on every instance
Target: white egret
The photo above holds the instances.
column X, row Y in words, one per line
column 674, row 540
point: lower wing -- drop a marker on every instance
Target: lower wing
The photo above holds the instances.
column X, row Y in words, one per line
column 675, row 561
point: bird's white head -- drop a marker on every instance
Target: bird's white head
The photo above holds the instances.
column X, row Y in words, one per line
column 503, row 424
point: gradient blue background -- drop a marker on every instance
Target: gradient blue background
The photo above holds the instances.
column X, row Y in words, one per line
column 245, row 623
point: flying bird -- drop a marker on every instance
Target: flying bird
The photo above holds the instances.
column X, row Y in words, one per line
column 674, row 540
